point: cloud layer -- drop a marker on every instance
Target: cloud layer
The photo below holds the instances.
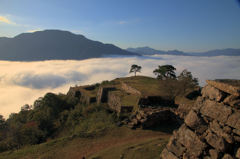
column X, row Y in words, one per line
column 24, row 82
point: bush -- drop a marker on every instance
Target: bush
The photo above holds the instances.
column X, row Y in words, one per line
column 95, row 123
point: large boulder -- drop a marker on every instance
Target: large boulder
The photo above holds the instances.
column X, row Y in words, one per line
column 189, row 139
column 216, row 110
column 228, row 86
column 213, row 93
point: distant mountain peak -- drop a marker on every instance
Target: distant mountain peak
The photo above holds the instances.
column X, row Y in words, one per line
column 54, row 44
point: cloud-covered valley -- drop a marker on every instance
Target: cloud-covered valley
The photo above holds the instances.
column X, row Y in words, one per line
column 24, row 82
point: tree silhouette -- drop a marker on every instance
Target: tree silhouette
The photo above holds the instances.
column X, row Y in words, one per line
column 165, row 71
column 187, row 81
column 135, row 68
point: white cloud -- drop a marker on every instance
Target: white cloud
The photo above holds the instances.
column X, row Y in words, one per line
column 24, row 82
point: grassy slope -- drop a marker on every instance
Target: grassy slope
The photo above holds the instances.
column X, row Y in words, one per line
column 115, row 143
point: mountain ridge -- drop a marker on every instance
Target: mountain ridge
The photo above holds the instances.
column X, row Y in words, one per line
column 54, row 45
column 217, row 52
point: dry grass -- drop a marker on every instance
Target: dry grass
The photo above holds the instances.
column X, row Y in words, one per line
column 118, row 141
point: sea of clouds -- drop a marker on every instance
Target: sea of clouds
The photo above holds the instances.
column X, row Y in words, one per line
column 23, row 82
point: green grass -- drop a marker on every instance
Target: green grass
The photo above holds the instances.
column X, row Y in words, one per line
column 34, row 151
column 146, row 85
column 130, row 100
column 116, row 142
column 144, row 149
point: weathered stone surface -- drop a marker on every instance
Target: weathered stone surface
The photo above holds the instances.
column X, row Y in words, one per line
column 216, row 128
column 238, row 153
column 175, row 147
column 214, row 154
column 216, row 141
column 227, row 129
column 232, row 100
column 167, row 155
column 216, row 110
column 183, row 110
column 221, row 117
column 236, row 131
column 234, row 120
column 229, row 86
column 195, row 122
column 189, row 139
column 213, row 93
column 227, row 156
column 187, row 155
column 114, row 101
column 192, row 120
column 198, row 104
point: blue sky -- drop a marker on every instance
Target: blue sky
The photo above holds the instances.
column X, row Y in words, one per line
column 187, row 25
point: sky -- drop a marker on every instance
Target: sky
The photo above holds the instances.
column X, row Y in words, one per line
column 187, row 25
column 24, row 82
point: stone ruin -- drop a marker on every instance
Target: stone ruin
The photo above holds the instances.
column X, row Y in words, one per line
column 103, row 94
column 211, row 129
column 138, row 111
column 84, row 94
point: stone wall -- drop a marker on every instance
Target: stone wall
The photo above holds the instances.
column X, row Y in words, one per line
column 129, row 89
column 114, row 101
column 211, row 129
column 80, row 93
column 102, row 95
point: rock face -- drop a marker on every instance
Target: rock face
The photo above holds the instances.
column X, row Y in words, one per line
column 211, row 128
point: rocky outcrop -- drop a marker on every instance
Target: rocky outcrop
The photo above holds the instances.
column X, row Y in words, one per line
column 211, row 128
column 184, row 106
column 228, row 86
column 148, row 118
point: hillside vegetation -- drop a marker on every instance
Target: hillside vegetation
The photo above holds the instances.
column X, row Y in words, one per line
column 94, row 121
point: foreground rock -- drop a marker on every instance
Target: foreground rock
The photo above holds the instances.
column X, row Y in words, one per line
column 211, row 128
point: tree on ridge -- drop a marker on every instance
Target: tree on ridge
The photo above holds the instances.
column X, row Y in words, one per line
column 135, row 68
